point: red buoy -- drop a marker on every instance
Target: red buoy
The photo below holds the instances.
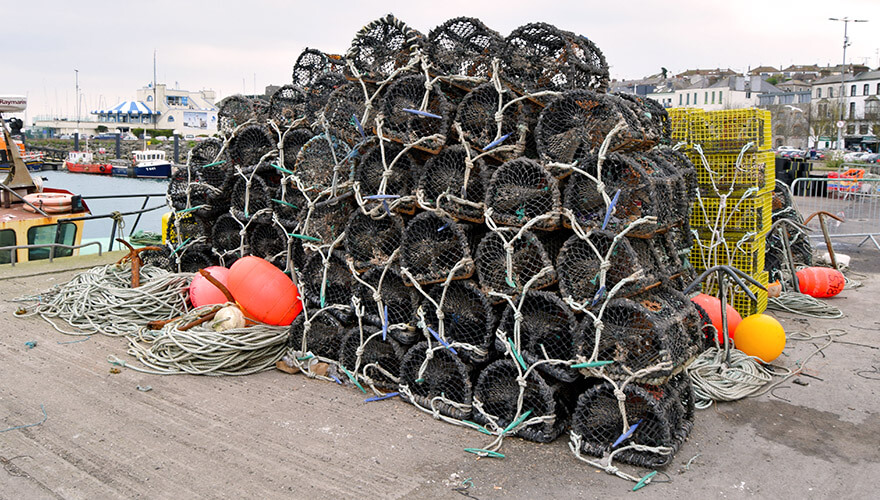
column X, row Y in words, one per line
column 712, row 306
column 203, row 293
column 820, row 282
column 264, row 292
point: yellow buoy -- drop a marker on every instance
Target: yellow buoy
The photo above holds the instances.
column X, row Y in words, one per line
column 761, row 336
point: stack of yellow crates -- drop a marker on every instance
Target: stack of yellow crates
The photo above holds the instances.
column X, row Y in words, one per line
column 731, row 213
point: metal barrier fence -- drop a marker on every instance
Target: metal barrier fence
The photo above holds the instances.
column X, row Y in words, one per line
column 855, row 201
column 13, row 250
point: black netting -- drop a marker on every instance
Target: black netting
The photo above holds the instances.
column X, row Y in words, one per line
column 369, row 171
column 205, row 152
column 442, row 184
column 370, row 242
column 292, row 143
column 412, row 113
column 521, row 190
column 664, row 416
column 467, row 319
column 498, row 392
column 320, row 91
column 322, row 161
column 184, row 228
column 268, row 240
column 250, row 193
column 233, row 112
column 159, row 258
column 380, row 48
column 287, row 104
column 658, row 326
column 442, row 384
column 477, row 116
column 400, row 300
column 250, row 144
column 323, row 338
column 310, row 65
column 226, row 237
column 546, row 332
column 326, row 221
column 539, row 56
column 193, row 257
column 336, row 278
column 366, row 353
column 524, row 259
column 433, row 246
column 463, row 47
column 346, row 107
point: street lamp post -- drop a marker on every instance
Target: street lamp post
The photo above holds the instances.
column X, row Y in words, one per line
column 845, row 21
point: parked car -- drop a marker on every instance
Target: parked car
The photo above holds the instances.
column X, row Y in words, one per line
column 872, row 158
column 792, row 154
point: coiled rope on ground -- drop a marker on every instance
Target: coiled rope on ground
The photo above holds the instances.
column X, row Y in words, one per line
column 804, row 305
column 101, row 300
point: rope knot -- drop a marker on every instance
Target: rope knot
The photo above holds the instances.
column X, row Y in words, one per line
column 377, row 297
column 499, row 117
column 600, row 186
column 521, row 381
column 621, row 397
column 518, row 316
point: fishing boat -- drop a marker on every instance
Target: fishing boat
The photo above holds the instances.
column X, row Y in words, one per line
column 32, row 159
column 83, row 162
column 35, row 222
column 146, row 163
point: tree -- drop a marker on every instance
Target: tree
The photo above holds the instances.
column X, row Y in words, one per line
column 772, row 80
column 101, row 129
column 823, row 120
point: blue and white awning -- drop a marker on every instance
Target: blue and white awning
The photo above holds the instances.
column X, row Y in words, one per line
column 127, row 108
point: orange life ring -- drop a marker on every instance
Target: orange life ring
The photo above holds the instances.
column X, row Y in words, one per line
column 49, row 202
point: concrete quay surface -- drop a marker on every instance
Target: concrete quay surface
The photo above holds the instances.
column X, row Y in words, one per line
column 275, row 435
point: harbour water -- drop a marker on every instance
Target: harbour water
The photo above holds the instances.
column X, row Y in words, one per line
column 102, row 185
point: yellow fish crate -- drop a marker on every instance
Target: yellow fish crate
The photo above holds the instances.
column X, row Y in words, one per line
column 733, row 215
column 739, row 300
column 746, row 253
column 729, row 130
column 724, row 173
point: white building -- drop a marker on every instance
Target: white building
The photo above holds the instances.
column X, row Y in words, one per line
column 861, row 109
column 183, row 111
column 727, row 93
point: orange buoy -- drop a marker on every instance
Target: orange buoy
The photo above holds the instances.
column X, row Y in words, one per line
column 712, row 306
column 203, row 293
column 264, row 292
column 820, row 282
column 761, row 336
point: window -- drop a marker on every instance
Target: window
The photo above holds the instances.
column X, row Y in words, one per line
column 866, row 90
column 7, row 239
column 852, row 90
column 46, row 235
column 878, row 89
column 852, row 110
column 149, row 98
column 695, row 98
column 831, row 92
column 863, row 129
column 713, row 97
column 819, row 93
column 851, row 129
column 720, row 97
column 688, row 100
column 170, row 118
column 706, row 98
column 748, row 94
column 679, row 99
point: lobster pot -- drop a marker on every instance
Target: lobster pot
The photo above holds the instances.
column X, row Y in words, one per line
column 188, row 195
column 346, row 107
column 684, row 174
column 371, row 242
column 336, row 278
column 326, row 221
column 292, row 142
column 288, row 104
column 401, row 301
column 323, row 162
column 311, row 65
column 539, row 56
column 249, row 194
column 447, row 184
column 323, row 337
column 432, row 248
column 639, row 113
column 159, row 258
column 547, row 326
column 673, row 258
column 441, row 382
column 380, row 48
column 479, row 129
column 580, row 261
column 658, row 114
column 405, row 119
column 205, row 153
column 463, row 47
column 467, row 319
column 250, row 143
column 234, row 111
column 378, row 360
column 369, row 170
column 267, row 238
column 637, row 197
column 184, row 227
column 319, row 94
column 498, row 391
column 288, row 204
column 192, row 257
column 658, row 326
column 521, row 190
column 665, row 413
column 527, row 257
column 226, row 237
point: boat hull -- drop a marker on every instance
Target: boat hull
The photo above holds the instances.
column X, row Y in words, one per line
column 89, row 168
column 162, row 171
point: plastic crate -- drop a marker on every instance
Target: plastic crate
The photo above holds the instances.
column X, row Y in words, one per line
column 746, row 254
column 731, row 129
column 741, row 302
column 678, row 123
column 738, row 216
column 755, row 170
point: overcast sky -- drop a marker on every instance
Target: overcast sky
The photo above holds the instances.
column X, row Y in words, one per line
column 235, row 46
